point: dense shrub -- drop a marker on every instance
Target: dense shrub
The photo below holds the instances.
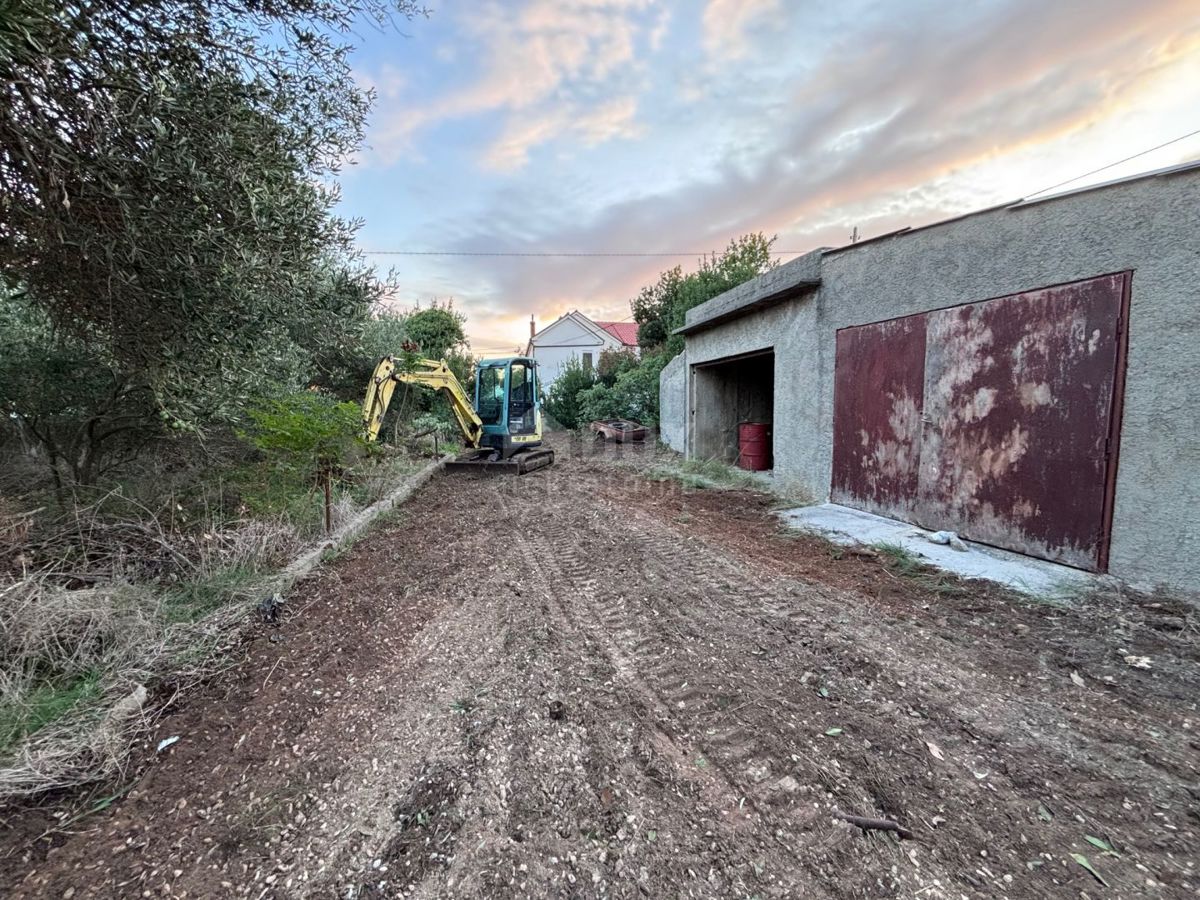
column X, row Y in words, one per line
column 633, row 395
column 562, row 401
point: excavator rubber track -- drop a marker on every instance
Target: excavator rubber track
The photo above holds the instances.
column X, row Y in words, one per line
column 481, row 463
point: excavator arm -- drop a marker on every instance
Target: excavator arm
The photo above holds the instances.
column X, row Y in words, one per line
column 431, row 373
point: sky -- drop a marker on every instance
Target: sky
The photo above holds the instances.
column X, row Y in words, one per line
column 661, row 126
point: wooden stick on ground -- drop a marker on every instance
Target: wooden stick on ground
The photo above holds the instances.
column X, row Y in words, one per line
column 875, row 824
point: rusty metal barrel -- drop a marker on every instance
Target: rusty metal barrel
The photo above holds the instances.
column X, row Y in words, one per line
column 754, row 446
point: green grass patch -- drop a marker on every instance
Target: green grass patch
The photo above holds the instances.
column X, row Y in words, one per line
column 193, row 599
column 265, row 490
column 904, row 562
column 43, row 705
column 705, row 474
column 901, row 560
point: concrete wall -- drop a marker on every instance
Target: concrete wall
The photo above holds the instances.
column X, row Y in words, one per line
column 673, row 406
column 1150, row 225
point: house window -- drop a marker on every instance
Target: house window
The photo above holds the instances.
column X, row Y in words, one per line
column 587, row 363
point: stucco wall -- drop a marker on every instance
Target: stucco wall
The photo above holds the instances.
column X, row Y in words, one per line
column 673, row 409
column 1151, row 226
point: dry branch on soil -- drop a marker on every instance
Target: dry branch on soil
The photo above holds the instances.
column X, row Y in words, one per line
column 869, row 824
column 92, row 545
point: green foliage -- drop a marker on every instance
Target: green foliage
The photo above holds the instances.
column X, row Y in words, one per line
column 659, row 309
column 306, row 428
column 67, row 394
column 346, row 354
column 612, row 363
column 905, row 562
column 196, row 597
column 438, row 331
column 563, row 398
column 598, row 402
column 705, row 474
column 267, row 490
column 383, row 334
column 435, row 424
column 168, row 207
column 633, row 394
column 900, row 559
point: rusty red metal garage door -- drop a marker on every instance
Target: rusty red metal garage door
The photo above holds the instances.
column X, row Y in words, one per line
column 878, row 398
column 996, row 419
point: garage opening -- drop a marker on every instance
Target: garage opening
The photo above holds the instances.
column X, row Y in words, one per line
column 727, row 393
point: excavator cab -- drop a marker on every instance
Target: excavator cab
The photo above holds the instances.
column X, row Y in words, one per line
column 506, row 401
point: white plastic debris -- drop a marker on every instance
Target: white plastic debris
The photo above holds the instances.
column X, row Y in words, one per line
column 1138, row 662
column 165, row 743
column 949, row 538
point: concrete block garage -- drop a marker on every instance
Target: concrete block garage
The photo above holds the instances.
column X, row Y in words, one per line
column 1024, row 375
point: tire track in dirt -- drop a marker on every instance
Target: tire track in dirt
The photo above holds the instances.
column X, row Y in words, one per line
column 572, row 589
column 750, row 599
column 948, row 677
column 663, row 665
column 689, row 755
column 662, row 675
column 722, row 596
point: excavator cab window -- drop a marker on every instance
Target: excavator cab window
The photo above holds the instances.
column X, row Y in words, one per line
column 521, row 407
column 489, row 397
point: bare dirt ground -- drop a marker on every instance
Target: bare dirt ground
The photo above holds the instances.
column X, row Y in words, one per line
column 581, row 683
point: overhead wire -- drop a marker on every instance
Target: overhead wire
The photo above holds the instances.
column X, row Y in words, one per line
column 559, row 253
column 1112, row 165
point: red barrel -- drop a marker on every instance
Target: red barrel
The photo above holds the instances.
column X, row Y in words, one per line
column 754, row 446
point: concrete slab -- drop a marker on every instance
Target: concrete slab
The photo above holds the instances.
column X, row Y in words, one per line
column 844, row 525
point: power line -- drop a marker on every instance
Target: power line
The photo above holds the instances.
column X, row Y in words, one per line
column 1182, row 137
column 557, row 253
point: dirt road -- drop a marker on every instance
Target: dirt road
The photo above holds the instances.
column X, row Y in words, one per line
column 581, row 683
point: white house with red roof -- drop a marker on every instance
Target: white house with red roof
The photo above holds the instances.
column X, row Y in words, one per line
column 574, row 335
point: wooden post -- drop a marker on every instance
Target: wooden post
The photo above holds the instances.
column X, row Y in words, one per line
column 328, row 502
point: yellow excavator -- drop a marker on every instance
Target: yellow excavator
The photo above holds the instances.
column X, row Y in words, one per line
column 502, row 429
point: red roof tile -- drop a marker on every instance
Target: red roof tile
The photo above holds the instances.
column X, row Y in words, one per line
column 625, row 332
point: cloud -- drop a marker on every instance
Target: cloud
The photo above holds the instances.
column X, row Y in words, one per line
column 536, row 59
column 727, row 24
column 660, row 29
column 615, row 119
column 888, row 128
column 612, row 120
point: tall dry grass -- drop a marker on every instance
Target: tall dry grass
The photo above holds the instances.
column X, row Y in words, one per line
column 77, row 665
column 108, row 606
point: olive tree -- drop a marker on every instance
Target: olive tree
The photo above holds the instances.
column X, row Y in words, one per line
column 167, row 197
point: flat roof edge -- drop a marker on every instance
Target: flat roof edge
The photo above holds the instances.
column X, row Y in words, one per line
column 792, row 291
column 1020, row 203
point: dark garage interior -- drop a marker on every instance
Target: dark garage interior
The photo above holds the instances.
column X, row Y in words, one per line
column 728, row 392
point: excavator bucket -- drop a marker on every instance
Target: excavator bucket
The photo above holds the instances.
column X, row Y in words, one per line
column 482, row 462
